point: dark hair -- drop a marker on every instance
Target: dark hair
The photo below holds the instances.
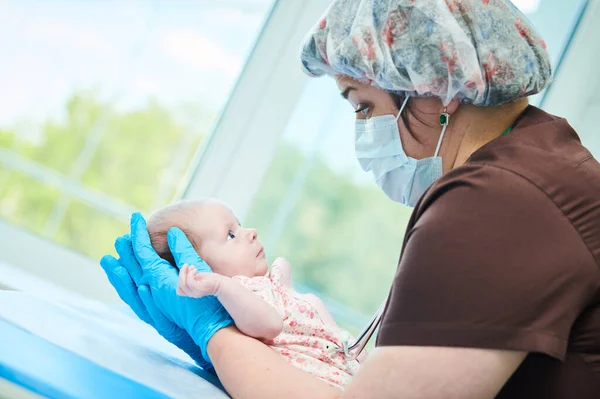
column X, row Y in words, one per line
column 158, row 238
column 398, row 100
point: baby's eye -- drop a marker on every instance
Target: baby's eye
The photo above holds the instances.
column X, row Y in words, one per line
column 230, row 236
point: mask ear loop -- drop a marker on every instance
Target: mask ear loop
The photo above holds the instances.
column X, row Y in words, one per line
column 402, row 107
column 444, row 121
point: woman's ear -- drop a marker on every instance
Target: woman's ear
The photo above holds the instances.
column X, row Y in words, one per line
column 453, row 106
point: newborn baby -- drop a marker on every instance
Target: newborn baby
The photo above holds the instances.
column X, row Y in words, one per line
column 263, row 305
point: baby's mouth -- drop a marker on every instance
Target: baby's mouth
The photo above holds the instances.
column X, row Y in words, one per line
column 261, row 253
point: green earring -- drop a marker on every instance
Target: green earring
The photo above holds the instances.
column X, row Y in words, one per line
column 444, row 118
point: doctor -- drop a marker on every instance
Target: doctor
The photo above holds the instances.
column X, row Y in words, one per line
column 497, row 291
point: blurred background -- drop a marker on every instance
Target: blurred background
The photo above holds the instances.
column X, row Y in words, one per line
column 109, row 107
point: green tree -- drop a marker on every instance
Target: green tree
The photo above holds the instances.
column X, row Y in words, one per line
column 129, row 163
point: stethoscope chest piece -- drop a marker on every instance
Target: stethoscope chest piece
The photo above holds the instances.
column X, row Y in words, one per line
column 353, row 350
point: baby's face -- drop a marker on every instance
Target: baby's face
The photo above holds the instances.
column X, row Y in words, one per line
column 228, row 248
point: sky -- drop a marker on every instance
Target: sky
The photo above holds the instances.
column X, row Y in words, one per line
column 178, row 51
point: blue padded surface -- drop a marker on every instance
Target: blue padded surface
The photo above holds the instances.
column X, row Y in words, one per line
column 48, row 370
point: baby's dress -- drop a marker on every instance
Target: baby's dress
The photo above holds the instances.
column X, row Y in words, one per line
column 306, row 339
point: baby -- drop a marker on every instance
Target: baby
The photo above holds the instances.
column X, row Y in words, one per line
column 262, row 302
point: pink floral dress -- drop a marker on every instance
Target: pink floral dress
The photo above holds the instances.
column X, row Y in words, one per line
column 308, row 337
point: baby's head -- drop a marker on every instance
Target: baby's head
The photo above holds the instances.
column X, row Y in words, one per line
column 216, row 234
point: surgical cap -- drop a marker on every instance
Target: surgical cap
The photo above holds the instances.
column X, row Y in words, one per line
column 485, row 52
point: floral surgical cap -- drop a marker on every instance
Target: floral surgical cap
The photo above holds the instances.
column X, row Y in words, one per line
column 484, row 51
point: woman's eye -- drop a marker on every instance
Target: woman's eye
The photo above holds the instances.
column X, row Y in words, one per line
column 230, row 236
column 363, row 109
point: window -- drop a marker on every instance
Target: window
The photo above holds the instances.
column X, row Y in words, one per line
column 555, row 21
column 103, row 109
column 574, row 94
column 107, row 110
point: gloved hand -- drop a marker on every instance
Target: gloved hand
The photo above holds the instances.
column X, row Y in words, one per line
column 124, row 274
column 200, row 317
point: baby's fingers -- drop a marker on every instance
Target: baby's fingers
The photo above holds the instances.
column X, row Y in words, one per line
column 190, row 281
column 182, row 287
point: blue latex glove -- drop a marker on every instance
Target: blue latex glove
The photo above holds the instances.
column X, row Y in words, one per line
column 200, row 317
column 124, row 274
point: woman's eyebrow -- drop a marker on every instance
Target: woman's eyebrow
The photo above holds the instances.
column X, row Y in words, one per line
column 347, row 91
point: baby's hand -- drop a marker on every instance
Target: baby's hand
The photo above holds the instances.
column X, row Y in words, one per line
column 197, row 285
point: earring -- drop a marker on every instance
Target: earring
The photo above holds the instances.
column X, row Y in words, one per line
column 444, row 118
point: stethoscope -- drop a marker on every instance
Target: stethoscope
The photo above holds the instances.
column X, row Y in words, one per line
column 352, row 350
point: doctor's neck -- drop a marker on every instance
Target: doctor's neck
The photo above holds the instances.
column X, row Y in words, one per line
column 471, row 127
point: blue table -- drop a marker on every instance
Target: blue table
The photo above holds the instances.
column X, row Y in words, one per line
column 61, row 351
column 46, row 369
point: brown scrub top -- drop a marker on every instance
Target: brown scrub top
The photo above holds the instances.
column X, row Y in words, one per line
column 504, row 253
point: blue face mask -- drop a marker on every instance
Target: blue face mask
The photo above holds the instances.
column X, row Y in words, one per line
column 379, row 150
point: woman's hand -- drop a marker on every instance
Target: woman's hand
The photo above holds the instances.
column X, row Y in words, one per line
column 198, row 285
column 201, row 318
column 124, row 274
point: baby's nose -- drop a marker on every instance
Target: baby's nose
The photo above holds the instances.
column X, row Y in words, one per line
column 252, row 234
